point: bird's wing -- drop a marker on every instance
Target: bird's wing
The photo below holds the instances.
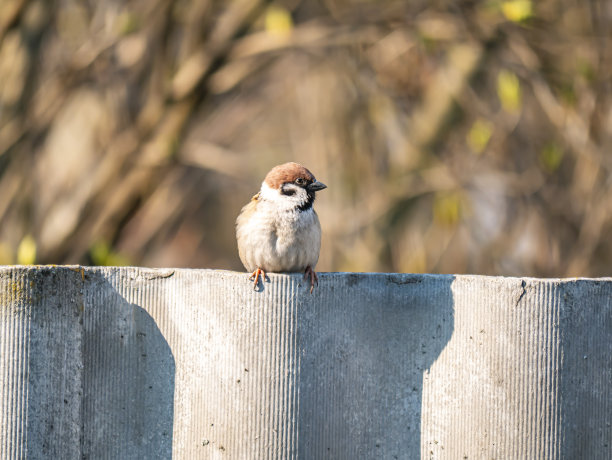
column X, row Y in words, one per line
column 242, row 227
column 247, row 212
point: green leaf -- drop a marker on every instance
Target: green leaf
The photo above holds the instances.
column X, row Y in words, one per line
column 509, row 91
column 128, row 23
column 102, row 254
column 551, row 157
column 278, row 21
column 447, row 208
column 517, row 10
column 479, row 135
column 26, row 251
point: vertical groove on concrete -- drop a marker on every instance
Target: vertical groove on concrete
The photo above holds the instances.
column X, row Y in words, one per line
column 264, row 424
column 5, row 395
column 92, row 355
column 291, row 372
column 507, row 313
column 14, row 358
column 513, row 377
column 552, row 380
column 287, row 372
column 257, row 397
column 294, row 370
column 550, row 387
column 530, row 307
column 252, row 440
column 525, row 372
column 546, row 354
column 554, row 371
column 7, row 441
column 168, row 299
column 522, row 386
column 296, row 365
column 499, row 313
column 539, row 418
column 282, row 410
column 240, row 427
column 273, row 368
column 552, row 383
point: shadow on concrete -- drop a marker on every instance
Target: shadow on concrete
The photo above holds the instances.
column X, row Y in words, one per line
column 128, row 379
column 46, row 365
column 585, row 326
column 361, row 374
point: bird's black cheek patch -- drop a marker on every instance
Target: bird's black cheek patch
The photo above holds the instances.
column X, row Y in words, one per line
column 287, row 190
column 308, row 203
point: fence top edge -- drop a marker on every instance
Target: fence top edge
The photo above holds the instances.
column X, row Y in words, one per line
column 169, row 272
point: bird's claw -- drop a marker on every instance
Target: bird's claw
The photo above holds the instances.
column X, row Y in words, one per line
column 257, row 275
column 314, row 279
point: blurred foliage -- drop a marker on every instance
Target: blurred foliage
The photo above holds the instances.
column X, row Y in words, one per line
column 454, row 137
column 550, row 157
column 26, row 251
column 509, row 91
column 278, row 21
column 480, row 134
column 517, row 10
column 102, row 254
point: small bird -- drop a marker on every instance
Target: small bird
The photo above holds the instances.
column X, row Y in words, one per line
column 278, row 230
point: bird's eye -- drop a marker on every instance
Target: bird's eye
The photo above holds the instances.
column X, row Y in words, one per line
column 300, row 181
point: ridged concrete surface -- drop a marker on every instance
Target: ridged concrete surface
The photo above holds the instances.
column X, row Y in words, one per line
column 142, row 363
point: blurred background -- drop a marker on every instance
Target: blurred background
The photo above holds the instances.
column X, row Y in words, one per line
column 454, row 136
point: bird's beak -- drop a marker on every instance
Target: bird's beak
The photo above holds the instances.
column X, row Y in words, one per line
column 316, row 185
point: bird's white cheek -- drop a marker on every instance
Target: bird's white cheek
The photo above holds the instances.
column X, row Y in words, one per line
column 282, row 202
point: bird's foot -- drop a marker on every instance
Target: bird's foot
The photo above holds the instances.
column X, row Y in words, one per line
column 257, row 275
column 314, row 279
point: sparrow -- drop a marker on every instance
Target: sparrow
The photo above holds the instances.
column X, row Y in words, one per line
column 278, row 230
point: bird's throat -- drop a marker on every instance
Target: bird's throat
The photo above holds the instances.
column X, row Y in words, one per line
column 307, row 204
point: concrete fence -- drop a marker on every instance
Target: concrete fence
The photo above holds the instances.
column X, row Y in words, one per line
column 128, row 363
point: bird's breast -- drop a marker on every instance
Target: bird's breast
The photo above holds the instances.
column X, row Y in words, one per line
column 280, row 241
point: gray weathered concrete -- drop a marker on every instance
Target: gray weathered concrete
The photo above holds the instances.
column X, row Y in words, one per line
column 141, row 363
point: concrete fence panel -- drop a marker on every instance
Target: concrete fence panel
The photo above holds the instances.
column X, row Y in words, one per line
column 137, row 363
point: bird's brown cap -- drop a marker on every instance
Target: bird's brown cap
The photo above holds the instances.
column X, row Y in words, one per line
column 287, row 172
